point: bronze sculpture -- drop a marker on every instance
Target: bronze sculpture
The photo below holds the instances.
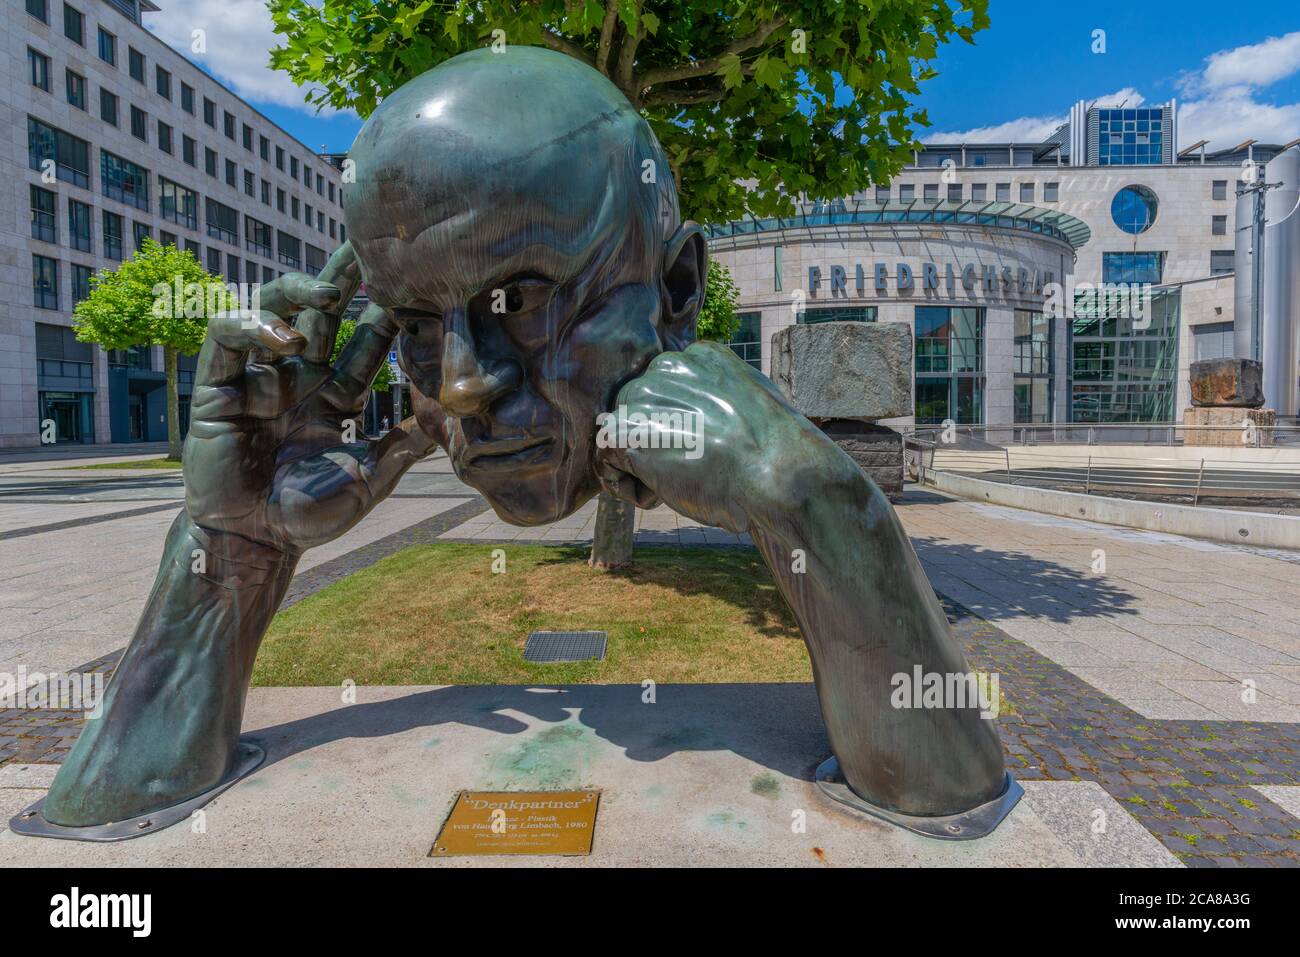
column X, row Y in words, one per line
column 517, row 228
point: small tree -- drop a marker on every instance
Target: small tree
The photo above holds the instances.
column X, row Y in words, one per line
column 718, row 321
column 161, row 296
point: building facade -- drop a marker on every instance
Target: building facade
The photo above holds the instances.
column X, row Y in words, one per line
column 113, row 136
column 1130, row 211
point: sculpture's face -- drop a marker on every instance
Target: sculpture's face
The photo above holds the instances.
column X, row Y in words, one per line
column 530, row 267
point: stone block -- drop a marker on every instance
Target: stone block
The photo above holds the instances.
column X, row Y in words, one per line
column 1228, row 427
column 876, row 449
column 845, row 370
column 1234, row 383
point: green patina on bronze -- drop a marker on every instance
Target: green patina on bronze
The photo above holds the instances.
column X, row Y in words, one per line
column 517, row 229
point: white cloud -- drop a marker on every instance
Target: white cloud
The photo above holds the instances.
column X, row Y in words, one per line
column 1257, row 65
column 1028, row 129
column 239, row 36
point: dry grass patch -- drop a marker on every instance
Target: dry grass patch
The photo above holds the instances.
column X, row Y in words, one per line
column 437, row 614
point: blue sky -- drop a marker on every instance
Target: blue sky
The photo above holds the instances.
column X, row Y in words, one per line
column 1236, row 76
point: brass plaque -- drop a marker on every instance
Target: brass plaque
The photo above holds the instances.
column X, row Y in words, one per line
column 519, row 822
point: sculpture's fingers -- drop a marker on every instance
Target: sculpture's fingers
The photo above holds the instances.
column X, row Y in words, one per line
column 363, row 356
column 321, row 325
column 231, row 337
column 396, row 452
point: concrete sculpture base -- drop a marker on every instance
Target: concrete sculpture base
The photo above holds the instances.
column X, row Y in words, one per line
column 1229, row 426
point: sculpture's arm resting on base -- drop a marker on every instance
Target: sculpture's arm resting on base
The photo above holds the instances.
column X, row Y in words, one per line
column 171, row 714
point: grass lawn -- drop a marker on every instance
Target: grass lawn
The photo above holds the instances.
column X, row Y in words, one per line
column 437, row 614
column 145, row 464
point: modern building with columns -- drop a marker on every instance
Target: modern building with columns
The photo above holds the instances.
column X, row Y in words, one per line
column 1105, row 201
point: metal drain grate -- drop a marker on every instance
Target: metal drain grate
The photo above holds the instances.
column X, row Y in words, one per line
column 551, row 646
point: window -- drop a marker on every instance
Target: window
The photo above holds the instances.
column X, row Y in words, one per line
column 187, row 98
column 232, row 267
column 178, row 204
column 74, row 25
column 949, row 364
column 1002, row 192
column 306, row 214
column 76, row 85
column 279, row 158
column 250, row 271
column 209, row 113
column 279, row 200
column 162, row 82
column 107, row 47
column 1123, row 369
column 223, row 222
column 878, row 189
column 320, row 221
column 267, row 274
column 139, row 124
column 248, row 137
column 38, row 68
column 43, row 217
column 1130, row 136
column 188, row 147
column 165, row 238
column 954, row 192
column 1134, row 209
column 142, row 232
column 112, row 234
column 45, row 282
column 266, row 192
column 135, row 64
column 1222, row 261
column 164, row 137
column 1032, row 382
column 979, row 192
column 1132, row 267
column 232, row 174
column 906, row 193
column 264, row 148
column 1219, row 189
column 778, row 278
column 1213, row 340
column 747, row 341
column 80, row 282
column 37, row 9
column 123, row 180
column 107, row 107
column 293, row 167
column 250, row 183
column 315, row 258
column 289, row 248
column 882, row 194
column 294, row 205
column 214, row 261
column 257, row 237
column 228, row 125
column 194, row 249
column 210, row 161
column 79, row 226
column 1027, row 191
column 1219, row 225
column 1051, row 192
column 931, row 192
column 813, row 316
column 71, row 155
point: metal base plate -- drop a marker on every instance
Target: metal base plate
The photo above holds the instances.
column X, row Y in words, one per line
column 33, row 824
column 977, row 822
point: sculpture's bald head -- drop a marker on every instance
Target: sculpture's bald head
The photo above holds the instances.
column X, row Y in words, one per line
column 518, row 215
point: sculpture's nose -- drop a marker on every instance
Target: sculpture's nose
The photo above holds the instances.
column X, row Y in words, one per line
column 469, row 384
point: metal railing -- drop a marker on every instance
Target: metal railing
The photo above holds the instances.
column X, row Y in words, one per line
column 1285, row 432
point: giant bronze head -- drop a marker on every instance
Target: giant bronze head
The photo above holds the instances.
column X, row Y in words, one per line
column 519, row 218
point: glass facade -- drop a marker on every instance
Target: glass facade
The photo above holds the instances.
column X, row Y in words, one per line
column 1032, row 382
column 837, row 314
column 1124, row 357
column 1134, row 209
column 949, row 365
column 747, row 341
column 1132, row 268
column 1130, row 137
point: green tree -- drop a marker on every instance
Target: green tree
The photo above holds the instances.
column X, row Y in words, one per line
column 754, row 101
column 161, row 296
column 347, row 327
column 718, row 320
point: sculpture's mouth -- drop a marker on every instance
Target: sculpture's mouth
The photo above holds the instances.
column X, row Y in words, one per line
column 507, row 453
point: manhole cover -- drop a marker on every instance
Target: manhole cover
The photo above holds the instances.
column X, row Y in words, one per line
column 548, row 646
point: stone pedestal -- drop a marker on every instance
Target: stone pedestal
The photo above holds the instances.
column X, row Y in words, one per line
column 1219, row 383
column 878, row 450
column 1237, row 421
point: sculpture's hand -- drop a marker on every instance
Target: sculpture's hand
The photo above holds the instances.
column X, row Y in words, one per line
column 274, row 453
column 747, row 460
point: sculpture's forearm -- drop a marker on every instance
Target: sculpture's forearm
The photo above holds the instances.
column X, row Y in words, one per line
column 867, row 612
column 172, row 711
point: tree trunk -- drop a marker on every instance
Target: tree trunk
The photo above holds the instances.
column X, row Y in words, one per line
column 611, row 546
column 173, row 405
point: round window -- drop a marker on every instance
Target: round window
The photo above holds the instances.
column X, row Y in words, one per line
column 1134, row 209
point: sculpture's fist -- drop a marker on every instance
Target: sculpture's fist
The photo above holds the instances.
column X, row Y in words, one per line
column 711, row 437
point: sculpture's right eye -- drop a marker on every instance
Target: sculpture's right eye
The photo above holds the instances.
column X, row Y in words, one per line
column 417, row 323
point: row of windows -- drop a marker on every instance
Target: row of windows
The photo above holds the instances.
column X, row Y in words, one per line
column 68, row 158
column 979, row 192
column 75, row 29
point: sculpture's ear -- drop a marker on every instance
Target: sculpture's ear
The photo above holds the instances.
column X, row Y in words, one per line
column 686, row 264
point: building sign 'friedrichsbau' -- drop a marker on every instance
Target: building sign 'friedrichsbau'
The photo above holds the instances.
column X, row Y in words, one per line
column 992, row 280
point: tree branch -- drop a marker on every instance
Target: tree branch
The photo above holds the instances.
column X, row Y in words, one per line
column 694, row 68
column 627, row 56
column 558, row 43
column 607, row 36
column 683, row 97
